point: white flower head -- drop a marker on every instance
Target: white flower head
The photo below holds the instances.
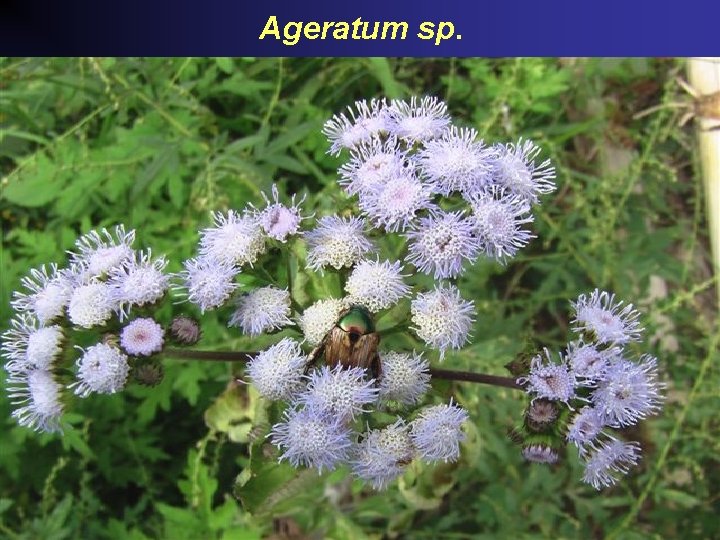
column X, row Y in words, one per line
column 341, row 391
column 382, row 454
column 48, row 293
column 376, row 285
column 606, row 320
column 319, row 318
column 419, row 120
column 27, row 347
column 278, row 220
column 499, row 217
column 140, row 280
column 588, row 361
column 277, row 372
column 91, row 304
column 437, row 432
column 102, row 369
column 142, row 337
column 394, row 203
column 234, row 240
column 515, row 170
column 262, row 310
column 207, row 283
column 365, row 121
column 456, row 162
column 442, row 318
column 371, row 165
column 440, row 244
column 584, row 427
column 312, row 438
column 405, row 377
column 336, row 242
column 101, row 251
column 39, row 398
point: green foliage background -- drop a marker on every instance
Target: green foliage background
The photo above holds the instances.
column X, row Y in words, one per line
column 159, row 143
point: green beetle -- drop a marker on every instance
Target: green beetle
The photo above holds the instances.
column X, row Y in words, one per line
column 352, row 342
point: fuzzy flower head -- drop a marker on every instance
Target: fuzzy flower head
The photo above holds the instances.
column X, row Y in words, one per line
column 336, row 242
column 588, row 361
column 371, row 165
column 540, row 453
column 48, row 293
column 339, row 391
column 584, row 428
column 101, row 251
column 39, row 398
column 92, row 304
column 312, row 438
column 604, row 319
column 437, row 432
column 515, row 170
column 234, row 240
column 376, row 285
column 455, row 162
column 442, row 318
column 27, row 347
column 277, row 372
column 185, row 330
column 549, row 380
column 629, row 392
column 280, row 221
column 499, row 218
column 420, row 120
column 139, row 281
column 382, row 454
column 318, row 319
column 207, row 283
column 610, row 460
column 365, row 121
column 441, row 243
column 262, row 310
column 393, row 204
column 142, row 337
column 405, row 378
column 102, row 369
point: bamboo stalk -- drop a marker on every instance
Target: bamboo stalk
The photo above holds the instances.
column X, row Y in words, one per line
column 704, row 77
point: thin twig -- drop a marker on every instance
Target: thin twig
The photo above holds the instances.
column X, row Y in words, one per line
column 447, row 374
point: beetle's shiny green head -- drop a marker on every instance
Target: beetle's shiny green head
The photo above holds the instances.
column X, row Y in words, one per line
column 357, row 320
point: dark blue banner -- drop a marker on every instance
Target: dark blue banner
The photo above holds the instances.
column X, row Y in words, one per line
column 373, row 27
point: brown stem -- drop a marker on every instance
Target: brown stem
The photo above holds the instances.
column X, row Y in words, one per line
column 447, row 374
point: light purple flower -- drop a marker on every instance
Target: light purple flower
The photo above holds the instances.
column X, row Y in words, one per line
column 437, row 432
column 278, row 220
column 101, row 251
column 629, row 392
column 608, row 461
column 235, row 239
column 262, row 310
column 419, row 120
column 340, row 391
column 515, row 170
column 359, row 125
column 142, row 337
column 277, row 372
column 382, row 454
column 456, row 162
column 540, row 453
column 441, row 243
column 312, row 438
column 394, row 203
column 589, row 361
column 138, row 281
column 102, row 369
column 39, row 398
column 584, row 427
column 550, row 380
column 92, row 304
column 606, row 320
column 372, row 164
column 47, row 293
column 499, row 217
column 376, row 285
column 27, row 346
column 405, row 377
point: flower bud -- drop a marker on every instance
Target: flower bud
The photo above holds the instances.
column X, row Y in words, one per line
column 185, row 330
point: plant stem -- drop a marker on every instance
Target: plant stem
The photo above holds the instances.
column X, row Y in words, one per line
column 447, row 374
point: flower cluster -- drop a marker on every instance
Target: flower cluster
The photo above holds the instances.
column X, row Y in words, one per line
column 601, row 386
column 106, row 280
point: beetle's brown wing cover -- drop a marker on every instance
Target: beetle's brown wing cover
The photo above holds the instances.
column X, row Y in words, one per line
column 340, row 349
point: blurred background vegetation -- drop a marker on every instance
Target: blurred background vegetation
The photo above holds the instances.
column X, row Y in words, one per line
column 159, row 143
